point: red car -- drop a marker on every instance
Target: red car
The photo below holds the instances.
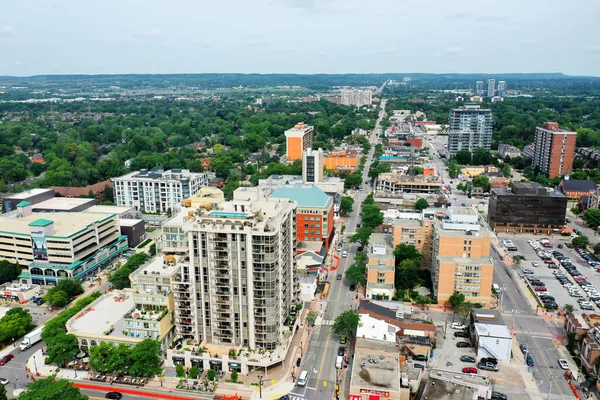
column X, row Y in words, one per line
column 550, row 262
column 540, row 289
column 469, row 370
column 6, row 359
column 579, row 278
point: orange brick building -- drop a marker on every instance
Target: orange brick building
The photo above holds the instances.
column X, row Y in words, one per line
column 314, row 213
column 298, row 139
column 554, row 150
column 340, row 159
column 381, row 270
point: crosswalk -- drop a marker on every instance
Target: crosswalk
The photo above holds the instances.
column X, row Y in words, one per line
column 292, row 397
column 326, row 322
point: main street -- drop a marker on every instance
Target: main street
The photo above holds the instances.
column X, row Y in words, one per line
column 321, row 352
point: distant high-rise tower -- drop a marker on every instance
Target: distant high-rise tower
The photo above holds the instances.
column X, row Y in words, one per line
column 298, row 139
column 312, row 166
column 469, row 128
column 357, row 98
column 501, row 88
column 479, row 88
column 491, row 87
column 554, row 150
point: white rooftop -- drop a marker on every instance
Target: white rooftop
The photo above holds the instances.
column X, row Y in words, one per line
column 492, row 330
column 65, row 223
column 110, row 209
column 28, row 193
column 129, row 222
column 100, row 315
column 62, row 203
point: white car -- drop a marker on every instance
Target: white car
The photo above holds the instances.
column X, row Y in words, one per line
column 563, row 363
column 535, row 264
column 4, row 381
column 456, row 325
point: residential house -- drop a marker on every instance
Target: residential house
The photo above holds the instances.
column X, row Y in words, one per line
column 574, row 189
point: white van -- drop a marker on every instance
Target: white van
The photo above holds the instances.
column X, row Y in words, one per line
column 496, row 288
column 302, row 379
column 339, row 362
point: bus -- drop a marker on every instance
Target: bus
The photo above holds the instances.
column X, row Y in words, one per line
column 326, row 289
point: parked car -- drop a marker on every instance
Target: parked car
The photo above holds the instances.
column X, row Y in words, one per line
column 456, row 325
column 469, row 370
column 529, row 360
column 419, row 357
column 461, row 334
column 462, row 345
column 341, row 350
column 420, row 366
column 339, row 277
column 352, row 287
column 499, row 396
column 113, row 396
column 541, row 289
column 343, row 340
column 6, row 358
column 488, row 366
column 467, row 359
column 523, row 348
column 4, row 381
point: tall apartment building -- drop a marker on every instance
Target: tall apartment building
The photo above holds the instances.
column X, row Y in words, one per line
column 501, row 88
column 51, row 247
column 155, row 190
column 554, row 150
column 455, row 248
column 469, row 128
column 479, row 88
column 381, row 269
column 239, row 286
column 527, row 207
column 357, row 98
column 491, row 88
column 312, row 166
column 298, row 139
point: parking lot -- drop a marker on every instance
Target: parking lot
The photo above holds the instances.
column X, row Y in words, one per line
column 447, row 356
column 547, row 276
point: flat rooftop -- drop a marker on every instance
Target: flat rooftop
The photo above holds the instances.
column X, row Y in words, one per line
column 129, row 222
column 158, row 266
column 63, row 203
column 467, row 260
column 383, row 375
column 110, row 209
column 493, row 330
column 107, row 310
column 65, row 224
column 28, row 193
column 444, row 384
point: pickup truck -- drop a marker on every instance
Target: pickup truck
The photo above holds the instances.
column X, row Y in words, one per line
column 488, row 366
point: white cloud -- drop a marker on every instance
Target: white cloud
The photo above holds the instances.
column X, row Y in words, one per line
column 453, row 51
column 153, row 32
column 592, row 47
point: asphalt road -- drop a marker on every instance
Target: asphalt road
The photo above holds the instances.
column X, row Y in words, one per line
column 321, row 353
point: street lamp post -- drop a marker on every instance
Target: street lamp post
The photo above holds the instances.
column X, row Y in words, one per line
column 35, row 365
column 260, row 381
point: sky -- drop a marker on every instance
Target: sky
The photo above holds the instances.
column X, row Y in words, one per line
column 299, row 36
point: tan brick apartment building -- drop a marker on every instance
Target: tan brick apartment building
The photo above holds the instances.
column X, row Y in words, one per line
column 455, row 248
column 381, row 269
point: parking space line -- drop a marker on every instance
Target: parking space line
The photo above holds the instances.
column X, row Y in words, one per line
column 548, row 367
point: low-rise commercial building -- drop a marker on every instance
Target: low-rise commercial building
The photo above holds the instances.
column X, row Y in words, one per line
column 63, row 204
column 51, row 247
column 397, row 183
column 17, row 293
column 341, row 160
column 527, row 207
column 575, row 188
column 131, row 315
column 491, row 336
column 32, row 196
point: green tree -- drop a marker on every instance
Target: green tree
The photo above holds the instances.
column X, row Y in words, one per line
column 481, row 157
column 507, row 171
column 15, row 323
column 311, row 317
column 57, row 298
column 51, row 388
column 407, row 274
column 146, row 358
column 9, row 271
column 463, row 157
column 70, row 286
column 234, row 376
column 369, row 200
column 211, row 374
column 99, row 356
column 120, row 358
column 406, row 252
column 153, row 250
column 456, row 300
column 483, row 182
column 372, row 216
column 62, row 349
column 180, row 371
column 195, row 371
column 357, row 273
column 346, row 323
column 3, row 395
column 453, row 169
column 592, row 217
column 353, row 180
column 362, row 235
column 421, row 204
column 580, row 241
column 464, row 310
column 346, row 205
column 568, row 308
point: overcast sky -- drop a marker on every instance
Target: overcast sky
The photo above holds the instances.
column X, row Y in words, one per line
column 299, row 36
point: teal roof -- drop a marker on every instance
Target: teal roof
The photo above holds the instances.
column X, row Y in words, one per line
column 305, row 196
column 24, row 203
column 41, row 222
